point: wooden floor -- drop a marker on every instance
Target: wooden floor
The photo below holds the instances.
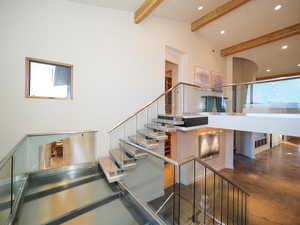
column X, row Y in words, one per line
column 273, row 181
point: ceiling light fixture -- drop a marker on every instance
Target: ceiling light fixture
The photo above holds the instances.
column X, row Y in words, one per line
column 268, row 70
column 284, row 46
column 277, row 7
column 200, row 7
column 222, row 32
column 298, row 64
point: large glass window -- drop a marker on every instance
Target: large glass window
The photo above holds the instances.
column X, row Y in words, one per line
column 278, row 94
column 47, row 79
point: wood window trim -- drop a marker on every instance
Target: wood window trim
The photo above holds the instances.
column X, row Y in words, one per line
column 27, row 77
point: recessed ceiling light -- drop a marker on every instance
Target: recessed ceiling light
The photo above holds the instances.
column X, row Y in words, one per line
column 277, row 7
column 222, row 32
column 268, row 70
column 298, row 64
column 200, row 7
column 284, row 46
column 289, row 153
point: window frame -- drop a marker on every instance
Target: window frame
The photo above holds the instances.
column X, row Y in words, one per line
column 28, row 60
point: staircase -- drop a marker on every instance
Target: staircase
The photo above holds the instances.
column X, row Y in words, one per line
column 144, row 134
column 135, row 147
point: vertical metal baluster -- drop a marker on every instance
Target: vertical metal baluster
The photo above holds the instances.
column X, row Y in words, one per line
column 214, row 207
column 124, row 131
column 205, row 195
column 238, row 206
column 157, row 108
column 242, row 207
column 147, row 115
column 183, row 100
column 174, row 191
column 228, row 202
column 233, row 204
column 194, row 192
column 251, row 94
column 136, row 124
column 173, row 96
column 221, row 200
column 11, row 183
column 179, row 194
column 246, row 212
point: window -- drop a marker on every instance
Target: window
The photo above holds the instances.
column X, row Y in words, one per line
column 46, row 79
column 280, row 94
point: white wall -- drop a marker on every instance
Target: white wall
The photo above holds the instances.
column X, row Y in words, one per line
column 187, row 145
column 118, row 65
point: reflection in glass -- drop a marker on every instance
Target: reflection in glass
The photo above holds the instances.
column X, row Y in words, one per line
column 5, row 192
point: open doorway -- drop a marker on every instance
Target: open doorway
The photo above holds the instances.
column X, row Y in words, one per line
column 69, row 151
column 171, row 73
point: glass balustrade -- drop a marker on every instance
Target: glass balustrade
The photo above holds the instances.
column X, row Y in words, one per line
column 36, row 154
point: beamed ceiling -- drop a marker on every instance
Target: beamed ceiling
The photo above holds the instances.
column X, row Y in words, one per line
column 251, row 19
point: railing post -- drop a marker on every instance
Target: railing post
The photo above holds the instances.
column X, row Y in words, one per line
column 233, row 205
column 242, row 207
column 246, row 209
column 174, row 191
column 179, row 206
column 204, row 195
column 221, row 200
column 157, row 108
column 11, row 184
column 183, row 100
column 194, row 193
column 147, row 115
column 251, row 94
column 227, row 202
column 214, row 207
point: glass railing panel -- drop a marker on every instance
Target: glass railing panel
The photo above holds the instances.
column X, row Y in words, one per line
column 20, row 169
column 61, row 152
column 166, row 206
column 146, row 182
column 161, row 105
column 5, row 191
column 197, row 100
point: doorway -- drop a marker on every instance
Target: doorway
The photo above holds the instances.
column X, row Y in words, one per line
column 171, row 72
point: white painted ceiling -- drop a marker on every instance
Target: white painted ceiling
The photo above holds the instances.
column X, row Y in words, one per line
column 251, row 20
column 271, row 56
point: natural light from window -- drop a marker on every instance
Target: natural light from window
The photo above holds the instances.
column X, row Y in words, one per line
column 48, row 80
column 280, row 94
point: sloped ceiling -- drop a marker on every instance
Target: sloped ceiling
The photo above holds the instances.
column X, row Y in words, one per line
column 251, row 20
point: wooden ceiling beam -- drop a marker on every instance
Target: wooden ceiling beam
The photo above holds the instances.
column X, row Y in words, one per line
column 145, row 9
column 265, row 39
column 267, row 77
column 217, row 13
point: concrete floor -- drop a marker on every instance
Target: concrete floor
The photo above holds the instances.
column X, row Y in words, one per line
column 273, row 181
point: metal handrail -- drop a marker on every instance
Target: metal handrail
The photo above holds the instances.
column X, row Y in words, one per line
column 157, row 98
column 192, row 158
column 263, row 81
column 197, row 86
